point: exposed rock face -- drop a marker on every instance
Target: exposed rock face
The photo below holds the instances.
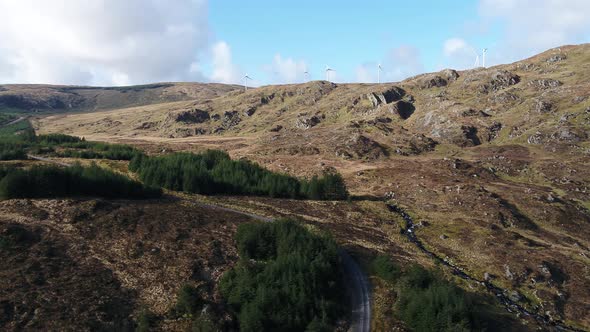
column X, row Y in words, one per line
column 193, row 116
column 147, row 125
column 361, row 147
column 541, row 84
column 498, row 80
column 307, row 122
column 440, row 79
column 403, row 108
column 386, row 97
column 432, row 81
column 276, row 128
column 230, row 119
column 471, row 138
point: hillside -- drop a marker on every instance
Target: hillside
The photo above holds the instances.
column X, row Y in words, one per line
column 29, row 98
column 491, row 164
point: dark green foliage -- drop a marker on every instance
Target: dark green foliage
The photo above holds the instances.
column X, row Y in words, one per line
column 427, row 302
column 287, row 279
column 51, row 181
column 214, row 172
column 204, row 323
column 330, row 187
column 54, row 139
column 385, row 269
column 188, row 301
column 96, row 150
column 145, row 321
column 22, row 127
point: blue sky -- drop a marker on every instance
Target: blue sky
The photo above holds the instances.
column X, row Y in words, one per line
column 123, row 42
column 342, row 34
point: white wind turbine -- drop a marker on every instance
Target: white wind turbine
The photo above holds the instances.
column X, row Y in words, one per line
column 379, row 73
column 328, row 70
column 246, row 78
column 306, row 75
column 476, row 64
column 483, row 57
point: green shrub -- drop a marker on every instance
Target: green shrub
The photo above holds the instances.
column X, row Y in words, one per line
column 145, row 321
column 188, row 301
column 385, row 269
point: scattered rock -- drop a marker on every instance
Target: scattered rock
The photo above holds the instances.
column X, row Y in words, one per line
column 443, row 237
column 471, row 137
column 508, row 273
column 542, row 106
column 307, row 122
column 250, row 111
column 276, row 128
column 499, row 80
column 503, row 98
column 494, row 131
column 147, row 125
column 361, row 147
column 544, row 83
column 556, row 58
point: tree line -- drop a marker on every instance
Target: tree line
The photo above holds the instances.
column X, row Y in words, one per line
column 214, row 172
column 52, row 181
column 287, row 279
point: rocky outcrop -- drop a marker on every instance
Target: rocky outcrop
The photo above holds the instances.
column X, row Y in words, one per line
column 250, row 111
column 541, row 84
column 556, row 58
column 192, row 116
column 497, row 80
column 304, row 122
column 403, row 109
column 230, row 119
column 361, row 147
column 439, row 79
column 542, row 106
column 386, row 97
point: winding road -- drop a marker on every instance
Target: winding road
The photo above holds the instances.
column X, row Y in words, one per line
column 357, row 282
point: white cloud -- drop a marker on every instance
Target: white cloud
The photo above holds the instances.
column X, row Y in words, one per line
column 224, row 70
column 402, row 62
column 286, row 70
column 532, row 26
column 453, row 46
column 459, row 54
column 366, row 73
column 101, row 41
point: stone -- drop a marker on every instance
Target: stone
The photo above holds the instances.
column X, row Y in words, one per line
column 542, row 106
column 307, row 122
column 544, row 83
column 556, row 58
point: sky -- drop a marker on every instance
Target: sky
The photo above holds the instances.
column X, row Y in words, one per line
column 124, row 42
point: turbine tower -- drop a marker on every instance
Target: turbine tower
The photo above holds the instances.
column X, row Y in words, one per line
column 246, row 78
column 476, row 64
column 306, row 76
column 378, row 73
column 483, row 57
column 328, row 70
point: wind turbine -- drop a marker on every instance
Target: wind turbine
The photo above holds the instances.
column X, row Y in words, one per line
column 246, row 78
column 483, row 57
column 306, row 75
column 328, row 70
column 476, row 64
column 378, row 73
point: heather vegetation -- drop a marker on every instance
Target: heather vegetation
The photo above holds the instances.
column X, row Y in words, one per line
column 288, row 278
column 214, row 172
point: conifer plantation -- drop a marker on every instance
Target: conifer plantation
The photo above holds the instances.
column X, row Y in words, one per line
column 214, row 172
column 288, row 278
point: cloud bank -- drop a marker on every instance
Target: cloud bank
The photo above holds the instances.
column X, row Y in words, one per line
column 102, row 42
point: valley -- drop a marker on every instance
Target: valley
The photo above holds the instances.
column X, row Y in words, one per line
column 482, row 175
